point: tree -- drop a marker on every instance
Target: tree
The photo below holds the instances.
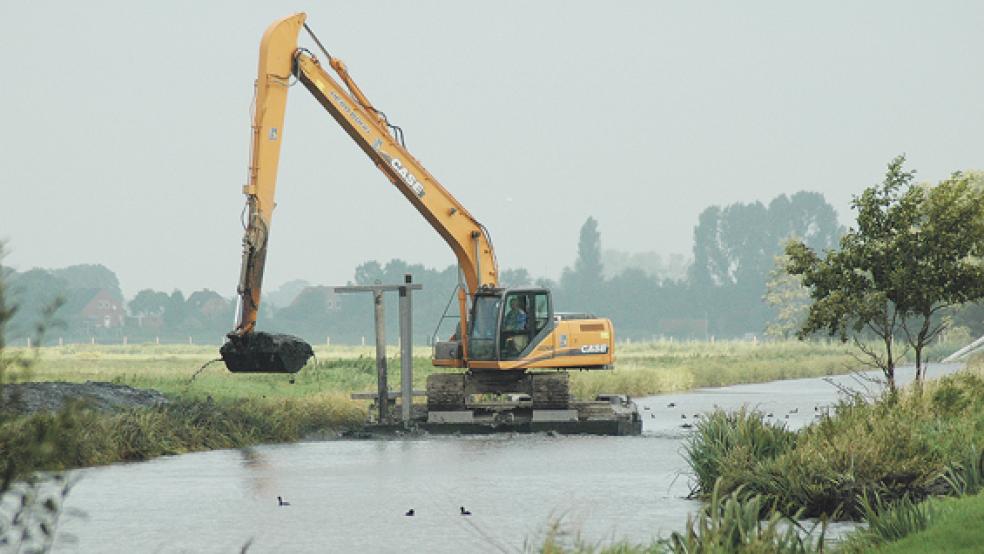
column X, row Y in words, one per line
column 90, row 276
column 588, row 265
column 581, row 284
column 149, row 302
column 517, row 277
column 942, row 255
column 788, row 297
column 175, row 311
column 914, row 253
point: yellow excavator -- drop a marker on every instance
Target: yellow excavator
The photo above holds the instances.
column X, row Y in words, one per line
column 510, row 341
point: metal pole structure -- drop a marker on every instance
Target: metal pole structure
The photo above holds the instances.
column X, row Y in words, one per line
column 406, row 342
column 406, row 350
column 383, row 389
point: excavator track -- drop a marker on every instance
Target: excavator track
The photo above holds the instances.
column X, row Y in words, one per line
column 550, row 391
column 446, row 391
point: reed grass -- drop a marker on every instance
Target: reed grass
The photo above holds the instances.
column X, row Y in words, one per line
column 88, row 437
column 911, row 445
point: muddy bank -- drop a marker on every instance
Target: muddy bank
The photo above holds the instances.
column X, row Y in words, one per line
column 29, row 398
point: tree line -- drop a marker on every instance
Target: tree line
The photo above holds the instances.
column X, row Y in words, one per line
column 736, row 283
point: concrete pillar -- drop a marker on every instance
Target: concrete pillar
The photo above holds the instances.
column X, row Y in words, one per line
column 383, row 389
column 406, row 350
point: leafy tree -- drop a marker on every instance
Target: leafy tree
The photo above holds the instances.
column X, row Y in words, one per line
column 734, row 250
column 914, row 253
column 90, row 276
column 588, row 265
column 942, row 254
column 368, row 273
column 788, row 297
column 580, row 285
column 175, row 311
column 517, row 277
column 32, row 291
column 149, row 302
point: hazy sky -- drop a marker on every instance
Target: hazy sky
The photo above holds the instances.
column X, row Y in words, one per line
column 126, row 124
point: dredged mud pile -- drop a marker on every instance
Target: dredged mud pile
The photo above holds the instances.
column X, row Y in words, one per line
column 28, row 398
column 266, row 353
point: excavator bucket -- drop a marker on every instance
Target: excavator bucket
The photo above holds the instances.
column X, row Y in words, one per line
column 265, row 353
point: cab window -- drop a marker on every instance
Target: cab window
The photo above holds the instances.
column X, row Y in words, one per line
column 517, row 325
column 541, row 301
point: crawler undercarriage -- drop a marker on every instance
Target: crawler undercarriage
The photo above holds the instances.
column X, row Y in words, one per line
column 483, row 402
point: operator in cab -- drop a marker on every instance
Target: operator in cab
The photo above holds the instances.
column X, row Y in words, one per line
column 514, row 323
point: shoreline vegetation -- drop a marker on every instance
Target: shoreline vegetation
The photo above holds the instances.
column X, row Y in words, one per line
column 211, row 408
column 910, row 465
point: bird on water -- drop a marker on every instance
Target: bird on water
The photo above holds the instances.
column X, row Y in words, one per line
column 282, row 502
column 410, row 513
column 465, row 512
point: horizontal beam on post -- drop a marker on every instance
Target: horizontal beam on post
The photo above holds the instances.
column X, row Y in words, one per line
column 376, row 288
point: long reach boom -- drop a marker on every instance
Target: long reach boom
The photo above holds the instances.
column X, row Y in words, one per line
column 280, row 60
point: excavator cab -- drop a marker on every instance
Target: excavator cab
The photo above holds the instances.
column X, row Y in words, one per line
column 505, row 324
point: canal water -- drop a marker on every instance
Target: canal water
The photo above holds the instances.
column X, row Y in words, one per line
column 351, row 495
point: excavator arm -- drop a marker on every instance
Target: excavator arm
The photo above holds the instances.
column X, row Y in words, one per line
column 280, row 59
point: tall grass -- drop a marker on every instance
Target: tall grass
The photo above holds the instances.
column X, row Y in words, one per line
column 911, row 445
column 734, row 523
column 727, row 446
column 89, row 437
column 889, row 522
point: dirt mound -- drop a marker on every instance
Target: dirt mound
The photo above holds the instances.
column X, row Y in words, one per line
column 28, row 398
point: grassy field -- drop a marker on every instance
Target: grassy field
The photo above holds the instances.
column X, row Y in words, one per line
column 957, row 528
column 641, row 368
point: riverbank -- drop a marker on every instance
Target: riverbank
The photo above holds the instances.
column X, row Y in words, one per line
column 211, row 408
column 82, row 436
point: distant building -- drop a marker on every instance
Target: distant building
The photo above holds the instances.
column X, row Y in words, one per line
column 95, row 308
